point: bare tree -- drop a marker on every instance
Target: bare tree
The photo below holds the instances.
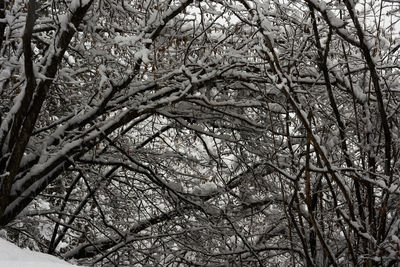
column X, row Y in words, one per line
column 207, row 133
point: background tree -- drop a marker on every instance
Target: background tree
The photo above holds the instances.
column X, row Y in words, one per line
column 206, row 133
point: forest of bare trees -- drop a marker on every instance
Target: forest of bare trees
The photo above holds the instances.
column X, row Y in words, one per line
column 201, row 133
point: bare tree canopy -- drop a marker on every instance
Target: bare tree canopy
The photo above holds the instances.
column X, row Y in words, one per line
column 201, row 133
